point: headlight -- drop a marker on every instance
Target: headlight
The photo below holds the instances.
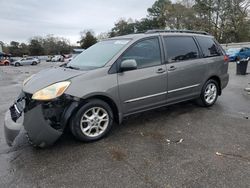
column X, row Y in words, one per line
column 27, row 79
column 51, row 92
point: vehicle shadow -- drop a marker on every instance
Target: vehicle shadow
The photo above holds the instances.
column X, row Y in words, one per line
column 137, row 121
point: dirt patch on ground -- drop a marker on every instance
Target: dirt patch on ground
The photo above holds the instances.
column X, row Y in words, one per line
column 117, row 154
column 154, row 135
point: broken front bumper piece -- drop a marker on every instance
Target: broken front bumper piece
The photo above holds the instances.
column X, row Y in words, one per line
column 11, row 128
column 44, row 122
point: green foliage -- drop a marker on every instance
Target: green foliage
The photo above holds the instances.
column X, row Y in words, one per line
column 15, row 48
column 123, row 27
column 35, row 46
column 159, row 11
column 48, row 45
column 55, row 45
column 87, row 39
column 227, row 20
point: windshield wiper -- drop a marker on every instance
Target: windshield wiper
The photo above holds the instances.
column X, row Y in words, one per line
column 71, row 67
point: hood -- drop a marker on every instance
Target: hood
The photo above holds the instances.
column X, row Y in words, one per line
column 49, row 77
column 16, row 61
column 232, row 53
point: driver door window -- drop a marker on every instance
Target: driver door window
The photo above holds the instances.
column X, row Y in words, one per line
column 146, row 53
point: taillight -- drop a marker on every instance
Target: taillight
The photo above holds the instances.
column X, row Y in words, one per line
column 226, row 58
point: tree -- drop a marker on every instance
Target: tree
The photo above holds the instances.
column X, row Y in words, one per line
column 14, row 49
column 237, row 21
column 87, row 39
column 123, row 27
column 35, row 46
column 159, row 12
column 146, row 24
column 56, row 45
column 102, row 36
column 172, row 15
column 226, row 20
column 24, row 48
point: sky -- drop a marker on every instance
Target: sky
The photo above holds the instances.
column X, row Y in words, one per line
column 22, row 19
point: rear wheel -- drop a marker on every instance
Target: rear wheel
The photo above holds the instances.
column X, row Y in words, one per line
column 34, row 63
column 209, row 93
column 6, row 63
column 93, row 121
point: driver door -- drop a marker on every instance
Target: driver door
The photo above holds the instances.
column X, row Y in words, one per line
column 146, row 86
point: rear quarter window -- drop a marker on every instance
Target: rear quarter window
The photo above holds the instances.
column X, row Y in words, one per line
column 209, row 47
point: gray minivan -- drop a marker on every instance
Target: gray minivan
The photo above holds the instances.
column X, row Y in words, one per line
column 115, row 78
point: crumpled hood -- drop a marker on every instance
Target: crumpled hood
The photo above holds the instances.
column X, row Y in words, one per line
column 49, row 76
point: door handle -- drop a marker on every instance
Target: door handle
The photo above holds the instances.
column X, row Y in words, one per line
column 161, row 70
column 171, row 68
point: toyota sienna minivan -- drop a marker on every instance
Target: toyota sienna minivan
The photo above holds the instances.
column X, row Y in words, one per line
column 115, row 78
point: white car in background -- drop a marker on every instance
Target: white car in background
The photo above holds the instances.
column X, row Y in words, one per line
column 67, row 60
column 26, row 61
column 57, row 58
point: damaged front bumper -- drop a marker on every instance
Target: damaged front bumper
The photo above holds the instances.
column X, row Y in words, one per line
column 11, row 128
column 44, row 122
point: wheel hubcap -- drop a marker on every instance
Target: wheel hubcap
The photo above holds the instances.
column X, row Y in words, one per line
column 210, row 93
column 94, row 121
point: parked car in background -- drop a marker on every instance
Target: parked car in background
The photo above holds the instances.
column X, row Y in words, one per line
column 116, row 78
column 4, row 59
column 232, row 53
column 236, row 54
column 244, row 53
column 67, row 60
column 4, row 62
column 57, row 58
column 49, row 58
column 26, row 61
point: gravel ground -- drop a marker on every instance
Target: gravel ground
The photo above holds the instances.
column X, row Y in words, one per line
column 177, row 146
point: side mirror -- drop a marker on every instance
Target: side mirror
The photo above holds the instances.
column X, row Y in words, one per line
column 127, row 65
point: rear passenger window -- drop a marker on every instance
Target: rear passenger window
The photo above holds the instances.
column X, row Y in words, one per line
column 208, row 47
column 180, row 48
column 146, row 53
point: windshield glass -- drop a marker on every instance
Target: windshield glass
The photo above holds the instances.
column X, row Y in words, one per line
column 98, row 55
column 233, row 50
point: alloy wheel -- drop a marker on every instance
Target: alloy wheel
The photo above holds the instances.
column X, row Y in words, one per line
column 210, row 93
column 94, row 121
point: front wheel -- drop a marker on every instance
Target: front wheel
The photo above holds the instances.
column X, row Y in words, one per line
column 93, row 121
column 209, row 93
column 17, row 64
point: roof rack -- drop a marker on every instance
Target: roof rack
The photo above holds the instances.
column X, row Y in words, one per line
column 176, row 31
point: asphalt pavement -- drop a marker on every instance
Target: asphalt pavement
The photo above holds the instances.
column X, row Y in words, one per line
column 183, row 145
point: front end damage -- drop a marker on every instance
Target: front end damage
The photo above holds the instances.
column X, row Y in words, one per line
column 44, row 121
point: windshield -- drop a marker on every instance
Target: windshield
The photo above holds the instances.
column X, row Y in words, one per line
column 233, row 50
column 97, row 55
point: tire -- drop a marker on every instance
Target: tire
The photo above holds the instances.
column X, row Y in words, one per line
column 34, row 63
column 17, row 64
column 209, row 93
column 88, row 125
column 6, row 64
